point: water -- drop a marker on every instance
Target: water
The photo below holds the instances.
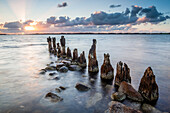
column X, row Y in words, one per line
column 22, row 88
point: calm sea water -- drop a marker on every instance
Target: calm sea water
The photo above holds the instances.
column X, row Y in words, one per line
column 22, row 89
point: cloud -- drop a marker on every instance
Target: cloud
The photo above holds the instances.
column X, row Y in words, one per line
column 114, row 6
column 97, row 22
column 64, row 4
column 13, row 25
column 54, row 20
column 135, row 10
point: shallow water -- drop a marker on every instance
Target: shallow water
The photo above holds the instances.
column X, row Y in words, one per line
column 22, row 88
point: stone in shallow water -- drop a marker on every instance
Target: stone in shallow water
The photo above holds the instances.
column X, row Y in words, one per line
column 82, row 87
column 94, row 99
column 148, row 87
column 42, row 71
column 58, row 90
column 53, row 97
column 63, row 69
column 117, row 107
column 52, row 74
column 146, row 108
column 50, row 68
column 118, row 96
column 130, row 92
column 62, row 87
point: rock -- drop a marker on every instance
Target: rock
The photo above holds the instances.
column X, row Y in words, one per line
column 52, row 74
column 50, row 68
column 148, row 87
column 82, row 87
column 146, row 108
column 59, row 65
column 92, row 80
column 68, row 53
column 84, row 76
column 49, row 44
column 122, row 74
column 130, row 92
column 75, row 55
column 53, row 97
column 42, row 71
column 58, row 50
column 67, row 63
column 107, row 71
column 72, row 67
column 56, row 78
column 118, row 96
column 117, row 107
column 94, row 99
column 93, row 63
column 58, row 90
column 63, row 69
column 63, row 88
column 82, row 60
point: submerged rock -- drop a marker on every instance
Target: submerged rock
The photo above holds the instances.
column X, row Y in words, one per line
column 53, row 97
column 82, row 60
column 146, row 108
column 50, row 68
column 122, row 73
column 74, row 68
column 94, row 99
column 58, row 90
column 52, row 74
column 42, row 71
column 130, row 92
column 63, row 69
column 93, row 63
column 82, row 87
column 63, row 88
column 59, row 65
column 107, row 71
column 118, row 96
column 117, row 107
column 148, row 87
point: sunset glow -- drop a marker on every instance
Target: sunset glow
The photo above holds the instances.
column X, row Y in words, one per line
column 29, row 28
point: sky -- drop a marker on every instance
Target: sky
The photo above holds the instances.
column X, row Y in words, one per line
column 108, row 16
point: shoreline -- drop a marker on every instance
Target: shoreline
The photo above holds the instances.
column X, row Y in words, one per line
column 89, row 34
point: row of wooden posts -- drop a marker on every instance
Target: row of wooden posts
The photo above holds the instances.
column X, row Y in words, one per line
column 148, row 86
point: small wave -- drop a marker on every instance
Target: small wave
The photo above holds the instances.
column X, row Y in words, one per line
column 20, row 46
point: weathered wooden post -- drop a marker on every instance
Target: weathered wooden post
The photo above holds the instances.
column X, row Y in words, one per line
column 122, row 73
column 58, row 50
column 62, row 41
column 93, row 63
column 68, row 53
column 82, row 60
column 54, row 45
column 107, row 71
column 49, row 44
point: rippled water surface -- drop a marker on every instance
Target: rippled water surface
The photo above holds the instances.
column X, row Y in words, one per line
column 22, row 88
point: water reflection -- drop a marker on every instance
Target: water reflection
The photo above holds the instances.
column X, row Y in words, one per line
column 23, row 56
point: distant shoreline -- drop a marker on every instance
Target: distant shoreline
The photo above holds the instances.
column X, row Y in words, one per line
column 89, row 33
